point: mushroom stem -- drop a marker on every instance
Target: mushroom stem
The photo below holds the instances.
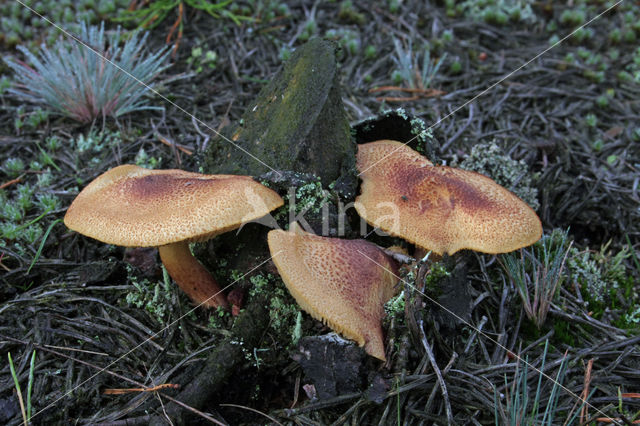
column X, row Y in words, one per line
column 191, row 276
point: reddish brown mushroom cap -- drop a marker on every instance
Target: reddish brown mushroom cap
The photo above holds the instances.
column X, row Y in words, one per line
column 343, row 283
column 440, row 208
column 137, row 207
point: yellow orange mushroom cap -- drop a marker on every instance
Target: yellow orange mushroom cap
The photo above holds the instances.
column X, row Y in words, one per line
column 439, row 208
column 133, row 206
column 343, row 283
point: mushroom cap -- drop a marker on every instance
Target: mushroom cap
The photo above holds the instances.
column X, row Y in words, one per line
column 343, row 283
column 439, row 208
column 133, row 206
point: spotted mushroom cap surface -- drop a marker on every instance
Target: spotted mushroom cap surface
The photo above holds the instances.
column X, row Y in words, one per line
column 137, row 207
column 343, row 283
column 439, row 208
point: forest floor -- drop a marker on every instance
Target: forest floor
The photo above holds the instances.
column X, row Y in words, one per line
column 555, row 104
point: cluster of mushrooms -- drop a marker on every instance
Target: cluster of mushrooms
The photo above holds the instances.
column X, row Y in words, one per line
column 439, row 208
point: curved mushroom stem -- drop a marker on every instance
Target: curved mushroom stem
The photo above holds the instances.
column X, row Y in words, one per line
column 191, row 276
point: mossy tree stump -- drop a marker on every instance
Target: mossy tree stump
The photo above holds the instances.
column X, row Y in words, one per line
column 297, row 123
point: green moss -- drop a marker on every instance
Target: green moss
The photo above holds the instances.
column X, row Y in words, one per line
column 220, row 318
column 489, row 159
column 437, row 272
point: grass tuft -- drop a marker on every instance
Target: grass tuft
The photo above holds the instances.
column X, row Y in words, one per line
column 537, row 273
column 541, row 408
column 73, row 80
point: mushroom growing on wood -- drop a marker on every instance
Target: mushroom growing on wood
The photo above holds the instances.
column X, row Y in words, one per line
column 439, row 208
column 137, row 207
column 343, row 283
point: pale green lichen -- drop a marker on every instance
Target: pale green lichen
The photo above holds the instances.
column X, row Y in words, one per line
column 311, row 197
column 490, row 160
column 395, row 306
column 154, row 297
column 585, row 271
column 283, row 311
column 143, row 159
column 598, row 273
column 633, row 316
column 423, row 134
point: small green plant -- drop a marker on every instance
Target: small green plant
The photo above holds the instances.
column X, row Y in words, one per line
column 615, row 36
column 349, row 14
column 410, row 70
column 201, row 58
column 13, row 166
column 309, row 29
column 573, row 17
column 455, row 67
column 591, row 120
column 370, row 52
column 144, row 160
column 348, row 40
column 24, row 409
column 90, row 149
column 394, row 6
column 537, row 273
column 20, row 25
column 74, row 81
column 494, row 12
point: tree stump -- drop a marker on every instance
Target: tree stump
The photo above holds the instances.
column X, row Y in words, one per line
column 296, row 123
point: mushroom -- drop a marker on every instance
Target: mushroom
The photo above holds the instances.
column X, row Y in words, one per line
column 343, row 283
column 439, row 208
column 137, row 207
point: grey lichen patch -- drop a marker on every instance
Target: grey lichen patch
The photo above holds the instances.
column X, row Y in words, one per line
column 423, row 134
column 490, row 160
column 598, row 273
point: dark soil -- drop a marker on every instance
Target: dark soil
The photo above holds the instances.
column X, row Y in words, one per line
column 569, row 113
